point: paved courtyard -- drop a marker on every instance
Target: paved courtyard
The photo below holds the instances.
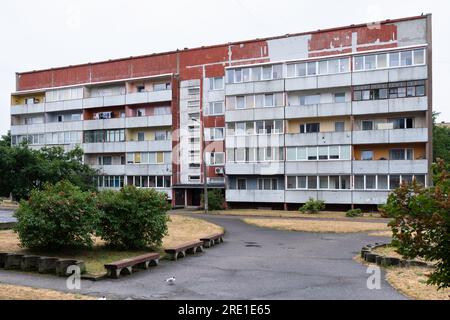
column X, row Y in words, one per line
column 253, row 263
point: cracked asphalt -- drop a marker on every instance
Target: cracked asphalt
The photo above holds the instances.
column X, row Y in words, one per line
column 252, row 263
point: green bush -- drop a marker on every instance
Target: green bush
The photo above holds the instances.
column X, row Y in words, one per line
column 133, row 218
column 215, row 199
column 352, row 213
column 313, row 206
column 58, row 216
column 421, row 223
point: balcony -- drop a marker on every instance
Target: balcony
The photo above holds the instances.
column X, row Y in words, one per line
column 64, row 105
column 253, row 141
column 390, row 105
column 322, row 138
column 104, row 147
column 260, row 168
column 390, row 166
column 27, row 108
column 150, row 121
column 318, row 110
column 390, row 75
column 150, row 146
column 267, row 196
column 318, row 167
column 64, row 126
column 106, row 101
column 113, row 170
column 148, row 169
column 390, row 136
column 148, row 97
column 329, row 196
column 370, row 197
column 256, row 87
column 118, row 123
column 267, row 113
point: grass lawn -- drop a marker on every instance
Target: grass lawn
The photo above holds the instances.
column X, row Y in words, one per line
column 411, row 281
column 289, row 214
column 181, row 229
column 9, row 292
column 317, row 226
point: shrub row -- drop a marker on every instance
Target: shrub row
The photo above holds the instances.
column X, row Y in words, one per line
column 63, row 216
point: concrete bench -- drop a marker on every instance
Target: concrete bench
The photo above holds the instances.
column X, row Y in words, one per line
column 62, row 265
column 47, row 265
column 30, row 263
column 180, row 251
column 126, row 266
column 2, row 259
column 13, row 261
column 212, row 240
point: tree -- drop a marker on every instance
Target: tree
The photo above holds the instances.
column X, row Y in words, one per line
column 22, row 169
column 441, row 141
column 132, row 218
column 58, row 216
column 421, row 224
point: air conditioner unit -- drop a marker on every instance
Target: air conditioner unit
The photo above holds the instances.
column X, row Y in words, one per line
column 219, row 171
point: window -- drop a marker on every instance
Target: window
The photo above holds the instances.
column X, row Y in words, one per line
column 394, row 59
column 241, row 184
column 214, row 134
column 240, row 102
column 141, row 136
column 403, row 123
column 267, row 184
column 323, row 67
column 323, row 182
column 160, row 135
column 359, row 182
column 367, row 155
column 216, row 83
column 215, row 108
column 419, row 56
column 312, row 68
column 406, row 58
column 339, row 126
column 301, row 182
column 309, row 100
column 359, row 63
column 310, row 128
column 371, row 182
column 382, row 182
column 382, row 61
column 163, row 86
column 367, row 125
column 292, row 182
column 268, row 100
column 401, row 154
column 370, row 62
column 333, row 66
column 312, row 183
column 216, row 158
column 256, row 74
column 334, row 152
column 312, row 153
column 394, row 182
column 267, row 72
column 339, row 97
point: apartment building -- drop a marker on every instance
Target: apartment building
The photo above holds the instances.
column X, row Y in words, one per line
column 342, row 115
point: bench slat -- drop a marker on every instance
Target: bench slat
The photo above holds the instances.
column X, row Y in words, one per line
column 133, row 261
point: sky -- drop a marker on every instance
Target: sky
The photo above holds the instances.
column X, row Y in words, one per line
column 51, row 33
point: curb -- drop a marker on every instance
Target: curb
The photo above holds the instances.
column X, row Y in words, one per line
column 368, row 255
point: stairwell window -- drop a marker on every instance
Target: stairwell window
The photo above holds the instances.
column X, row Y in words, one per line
column 216, row 83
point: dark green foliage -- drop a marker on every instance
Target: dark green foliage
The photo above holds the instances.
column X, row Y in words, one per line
column 441, row 142
column 313, row 206
column 421, row 223
column 216, row 199
column 132, row 218
column 353, row 213
column 58, row 216
column 22, row 169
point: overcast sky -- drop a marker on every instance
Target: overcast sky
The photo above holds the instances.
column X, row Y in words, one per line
column 50, row 33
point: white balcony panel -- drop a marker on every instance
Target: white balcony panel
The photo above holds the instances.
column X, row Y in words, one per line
column 104, row 124
column 16, row 130
column 214, row 95
column 318, row 167
column 239, row 115
column 297, row 84
column 137, row 146
column 25, row 109
column 95, row 102
column 408, row 104
column 107, row 147
column 254, row 141
column 408, row 135
column 294, row 112
column 409, row 166
column 118, row 100
column 335, row 196
column 262, row 168
column 408, row 73
column 300, row 196
column 370, row 77
column 267, row 196
column 269, row 113
column 76, row 104
column 334, row 80
column 370, row 136
column 370, row 107
column 322, row 138
column 334, row 109
column 159, row 96
column 148, row 169
column 371, row 167
column 113, row 170
column 54, row 106
column 269, row 86
column 239, row 88
column 55, row 127
column 370, row 197
column 36, row 128
column 72, row 125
